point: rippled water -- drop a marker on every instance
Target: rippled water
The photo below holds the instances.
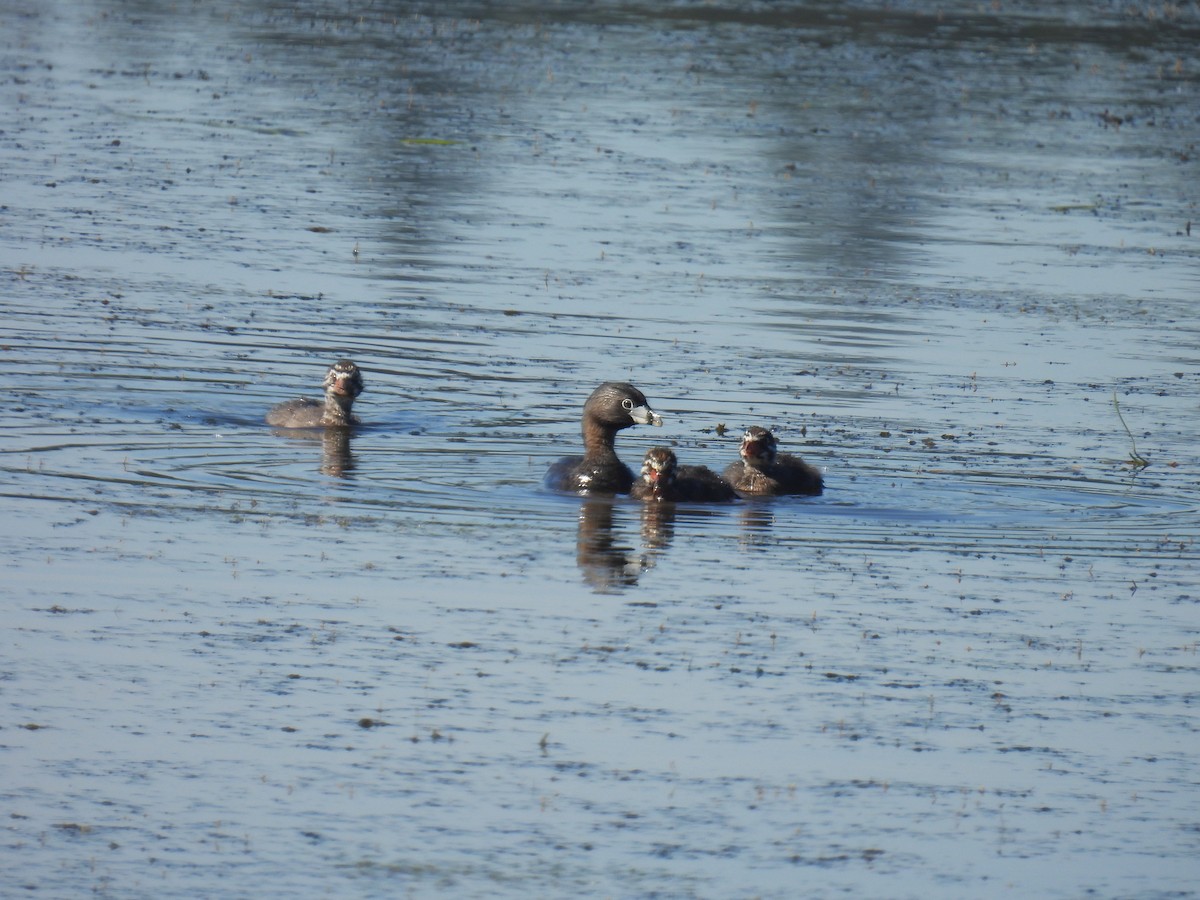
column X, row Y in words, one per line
column 947, row 257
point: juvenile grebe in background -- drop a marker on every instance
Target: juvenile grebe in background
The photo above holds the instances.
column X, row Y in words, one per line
column 763, row 470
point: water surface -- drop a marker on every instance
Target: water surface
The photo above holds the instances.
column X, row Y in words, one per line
column 947, row 257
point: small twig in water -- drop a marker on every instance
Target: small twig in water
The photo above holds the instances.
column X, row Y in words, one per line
column 1135, row 459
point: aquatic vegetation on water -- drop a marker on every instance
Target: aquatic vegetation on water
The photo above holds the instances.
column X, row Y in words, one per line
column 1135, row 458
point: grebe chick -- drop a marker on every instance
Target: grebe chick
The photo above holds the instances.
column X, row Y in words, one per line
column 664, row 479
column 343, row 383
column 764, row 471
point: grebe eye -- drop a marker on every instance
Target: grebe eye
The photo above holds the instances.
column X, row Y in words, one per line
column 627, row 404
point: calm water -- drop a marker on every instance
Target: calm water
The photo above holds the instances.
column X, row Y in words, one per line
column 929, row 250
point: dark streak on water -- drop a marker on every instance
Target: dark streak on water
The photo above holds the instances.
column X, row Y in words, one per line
column 929, row 249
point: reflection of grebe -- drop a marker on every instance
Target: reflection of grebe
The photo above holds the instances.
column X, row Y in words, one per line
column 763, row 470
column 336, row 458
column 664, row 479
column 658, row 527
column 611, row 407
column 343, row 383
column 606, row 565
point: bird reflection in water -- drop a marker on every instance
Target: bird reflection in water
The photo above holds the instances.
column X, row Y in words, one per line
column 756, row 519
column 658, row 525
column 337, row 460
column 607, row 558
column 608, row 552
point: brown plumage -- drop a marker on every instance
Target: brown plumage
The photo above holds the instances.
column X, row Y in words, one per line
column 762, row 470
column 343, row 383
column 612, row 406
column 664, row 479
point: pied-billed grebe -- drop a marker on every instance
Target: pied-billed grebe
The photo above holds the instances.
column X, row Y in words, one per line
column 612, row 406
column 664, row 479
column 343, row 383
column 763, row 470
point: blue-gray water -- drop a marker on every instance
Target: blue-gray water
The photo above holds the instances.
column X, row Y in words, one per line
column 930, row 250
